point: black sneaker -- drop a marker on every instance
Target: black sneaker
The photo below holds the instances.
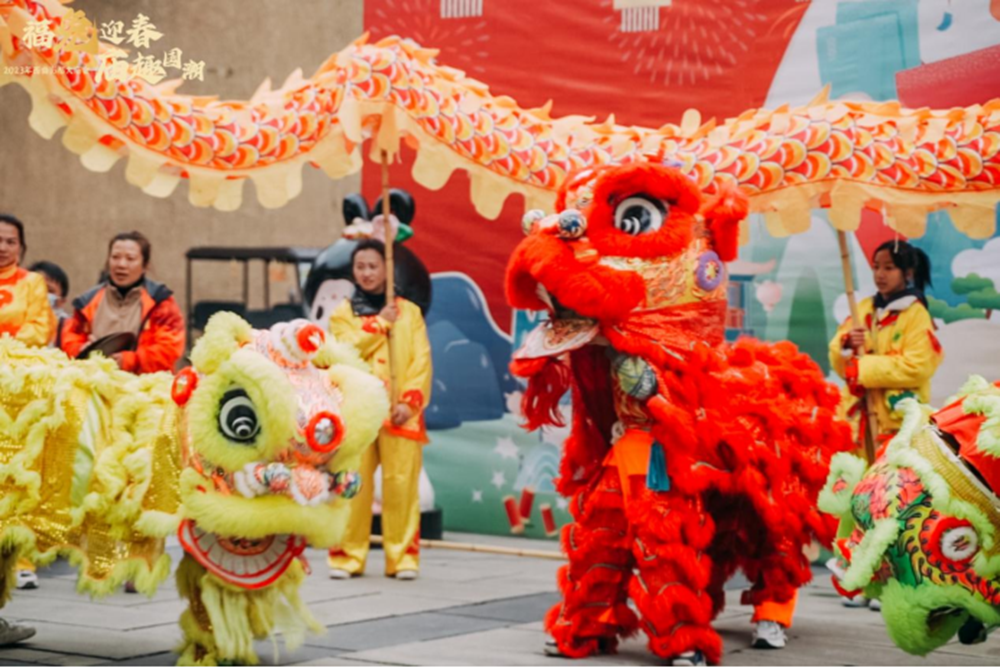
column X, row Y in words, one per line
column 695, row 658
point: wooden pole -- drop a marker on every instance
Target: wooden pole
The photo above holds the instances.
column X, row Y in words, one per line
column 871, row 415
column 485, row 549
column 390, row 233
column 390, row 268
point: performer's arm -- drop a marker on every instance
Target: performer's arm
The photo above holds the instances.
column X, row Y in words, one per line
column 415, row 385
column 39, row 321
column 161, row 344
column 75, row 335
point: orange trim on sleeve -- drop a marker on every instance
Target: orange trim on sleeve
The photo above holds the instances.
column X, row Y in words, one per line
column 419, row 435
column 413, row 398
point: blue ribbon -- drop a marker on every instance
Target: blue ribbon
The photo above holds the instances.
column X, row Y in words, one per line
column 657, row 479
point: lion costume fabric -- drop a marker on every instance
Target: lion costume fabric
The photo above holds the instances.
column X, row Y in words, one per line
column 921, row 527
column 688, row 458
column 246, row 455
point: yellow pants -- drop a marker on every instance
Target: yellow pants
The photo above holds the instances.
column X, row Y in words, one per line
column 401, row 460
column 776, row 612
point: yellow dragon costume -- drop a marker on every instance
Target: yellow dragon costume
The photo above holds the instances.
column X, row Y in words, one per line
column 247, row 455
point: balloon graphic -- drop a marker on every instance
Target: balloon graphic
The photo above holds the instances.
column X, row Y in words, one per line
column 769, row 294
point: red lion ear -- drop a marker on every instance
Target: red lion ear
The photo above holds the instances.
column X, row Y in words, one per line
column 723, row 215
column 184, row 385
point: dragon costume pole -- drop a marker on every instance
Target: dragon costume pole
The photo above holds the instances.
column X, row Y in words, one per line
column 390, row 270
column 871, row 416
column 483, row 548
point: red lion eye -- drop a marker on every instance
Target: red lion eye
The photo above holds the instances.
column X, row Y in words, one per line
column 949, row 539
column 184, row 385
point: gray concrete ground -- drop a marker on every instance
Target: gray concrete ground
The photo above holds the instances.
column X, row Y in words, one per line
column 466, row 609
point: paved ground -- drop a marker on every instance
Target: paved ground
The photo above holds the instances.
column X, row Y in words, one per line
column 466, row 609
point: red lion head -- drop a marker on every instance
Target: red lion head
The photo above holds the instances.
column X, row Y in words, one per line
column 635, row 255
column 578, row 260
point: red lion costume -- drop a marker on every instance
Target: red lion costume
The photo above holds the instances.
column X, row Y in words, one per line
column 688, row 457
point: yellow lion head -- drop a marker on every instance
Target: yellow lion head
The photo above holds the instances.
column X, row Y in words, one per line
column 274, row 424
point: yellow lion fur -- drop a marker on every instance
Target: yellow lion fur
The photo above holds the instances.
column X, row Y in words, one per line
column 111, row 446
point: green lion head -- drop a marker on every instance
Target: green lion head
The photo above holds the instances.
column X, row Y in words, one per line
column 919, row 528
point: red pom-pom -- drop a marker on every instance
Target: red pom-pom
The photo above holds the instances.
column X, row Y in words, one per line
column 184, row 385
column 310, row 338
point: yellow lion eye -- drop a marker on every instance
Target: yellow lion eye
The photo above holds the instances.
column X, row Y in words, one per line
column 238, row 417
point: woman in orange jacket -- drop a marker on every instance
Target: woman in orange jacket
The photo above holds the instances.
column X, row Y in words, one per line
column 129, row 302
column 369, row 324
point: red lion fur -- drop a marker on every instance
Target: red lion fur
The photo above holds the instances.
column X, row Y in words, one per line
column 549, row 381
column 747, row 431
column 680, row 192
column 723, row 215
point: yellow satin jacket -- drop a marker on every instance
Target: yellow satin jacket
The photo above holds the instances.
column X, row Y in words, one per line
column 411, row 357
column 25, row 313
column 902, row 354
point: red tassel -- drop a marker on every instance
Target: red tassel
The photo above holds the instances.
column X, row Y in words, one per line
column 548, row 381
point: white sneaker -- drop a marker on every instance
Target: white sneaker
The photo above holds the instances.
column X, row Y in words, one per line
column 339, row 574
column 875, row 604
column 552, row 649
column 27, row 580
column 769, row 635
column 856, row 602
column 406, row 575
column 13, row 633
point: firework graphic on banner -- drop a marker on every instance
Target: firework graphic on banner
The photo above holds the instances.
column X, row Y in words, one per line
column 461, row 9
column 420, row 20
column 640, row 15
column 688, row 41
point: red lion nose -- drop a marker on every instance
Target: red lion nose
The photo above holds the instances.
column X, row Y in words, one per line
column 324, row 432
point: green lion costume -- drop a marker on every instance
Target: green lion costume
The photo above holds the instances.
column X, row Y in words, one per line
column 921, row 527
column 247, row 455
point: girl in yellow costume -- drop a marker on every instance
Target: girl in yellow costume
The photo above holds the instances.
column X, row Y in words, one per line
column 25, row 315
column 370, row 324
column 894, row 353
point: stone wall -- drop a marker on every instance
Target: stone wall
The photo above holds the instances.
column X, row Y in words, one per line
column 70, row 213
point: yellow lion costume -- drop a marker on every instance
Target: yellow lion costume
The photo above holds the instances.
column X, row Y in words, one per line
column 248, row 455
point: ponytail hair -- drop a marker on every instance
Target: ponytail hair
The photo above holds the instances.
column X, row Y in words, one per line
column 908, row 257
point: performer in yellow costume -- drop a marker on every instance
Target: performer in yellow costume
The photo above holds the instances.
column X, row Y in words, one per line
column 25, row 313
column 375, row 328
column 899, row 352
